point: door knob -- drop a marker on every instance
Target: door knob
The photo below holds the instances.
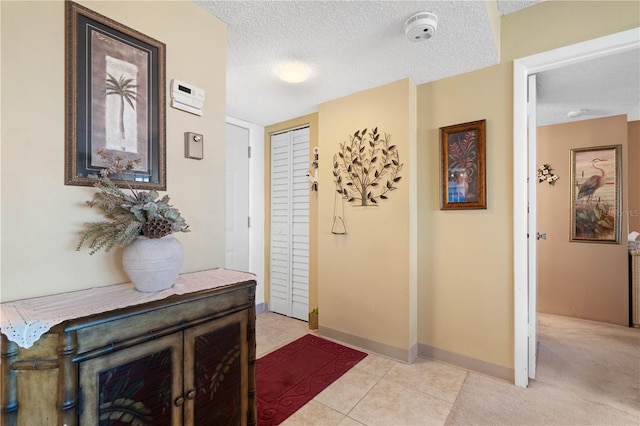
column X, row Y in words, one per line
column 540, row 236
column 178, row 401
column 191, row 394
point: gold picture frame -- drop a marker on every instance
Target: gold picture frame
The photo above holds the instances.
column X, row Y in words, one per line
column 596, row 194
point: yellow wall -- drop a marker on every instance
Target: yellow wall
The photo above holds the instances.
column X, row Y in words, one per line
column 40, row 215
column 578, row 279
column 365, row 279
column 555, row 23
column 310, row 120
column 465, row 257
column 465, row 275
column 633, row 132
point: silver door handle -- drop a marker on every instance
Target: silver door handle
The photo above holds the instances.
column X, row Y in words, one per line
column 540, row 236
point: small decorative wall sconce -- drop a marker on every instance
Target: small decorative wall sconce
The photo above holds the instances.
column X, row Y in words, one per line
column 339, row 226
column 313, row 172
column 544, row 174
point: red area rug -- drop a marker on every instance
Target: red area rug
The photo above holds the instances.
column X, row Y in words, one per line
column 293, row 375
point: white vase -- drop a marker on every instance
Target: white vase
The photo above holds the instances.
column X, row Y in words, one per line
column 153, row 264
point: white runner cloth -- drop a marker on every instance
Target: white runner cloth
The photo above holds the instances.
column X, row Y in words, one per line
column 24, row 321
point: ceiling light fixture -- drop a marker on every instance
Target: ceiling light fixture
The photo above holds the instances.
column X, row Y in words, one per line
column 293, row 72
column 577, row 113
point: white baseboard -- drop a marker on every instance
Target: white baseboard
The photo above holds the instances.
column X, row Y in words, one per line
column 261, row 307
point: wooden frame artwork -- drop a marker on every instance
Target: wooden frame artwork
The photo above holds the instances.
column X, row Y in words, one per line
column 462, row 166
column 595, row 194
column 115, row 99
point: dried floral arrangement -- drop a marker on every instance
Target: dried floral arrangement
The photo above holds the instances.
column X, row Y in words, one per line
column 366, row 168
column 128, row 215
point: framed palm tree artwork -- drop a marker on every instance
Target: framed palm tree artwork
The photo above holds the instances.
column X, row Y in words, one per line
column 462, row 166
column 115, row 100
column 595, row 194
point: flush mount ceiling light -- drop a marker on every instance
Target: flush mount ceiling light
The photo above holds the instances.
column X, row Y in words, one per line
column 293, row 72
column 577, row 113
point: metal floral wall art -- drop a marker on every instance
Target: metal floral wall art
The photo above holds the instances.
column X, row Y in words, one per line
column 366, row 168
column 545, row 174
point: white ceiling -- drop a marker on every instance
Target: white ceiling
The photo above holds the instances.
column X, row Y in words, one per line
column 602, row 87
column 352, row 46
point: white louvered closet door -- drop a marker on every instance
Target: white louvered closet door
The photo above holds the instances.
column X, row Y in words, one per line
column 290, row 223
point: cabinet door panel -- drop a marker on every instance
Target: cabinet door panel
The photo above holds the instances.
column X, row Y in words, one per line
column 134, row 386
column 215, row 369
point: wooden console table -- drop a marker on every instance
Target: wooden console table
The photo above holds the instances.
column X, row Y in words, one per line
column 183, row 356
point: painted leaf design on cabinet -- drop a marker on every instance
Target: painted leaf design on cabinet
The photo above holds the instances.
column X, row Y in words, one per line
column 223, row 368
column 136, row 393
column 126, row 411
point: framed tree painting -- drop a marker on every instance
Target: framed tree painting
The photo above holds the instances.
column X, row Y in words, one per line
column 595, row 194
column 115, row 100
column 462, row 166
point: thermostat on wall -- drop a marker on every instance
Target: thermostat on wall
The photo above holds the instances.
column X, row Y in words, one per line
column 186, row 97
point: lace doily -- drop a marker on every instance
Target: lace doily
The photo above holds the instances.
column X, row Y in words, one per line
column 25, row 321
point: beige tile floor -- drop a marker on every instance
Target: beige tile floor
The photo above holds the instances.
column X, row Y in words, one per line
column 377, row 391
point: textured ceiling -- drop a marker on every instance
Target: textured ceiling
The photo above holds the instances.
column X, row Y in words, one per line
column 603, row 87
column 349, row 46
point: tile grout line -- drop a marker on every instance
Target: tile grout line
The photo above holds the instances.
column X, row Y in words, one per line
column 366, row 393
column 359, row 400
column 453, row 404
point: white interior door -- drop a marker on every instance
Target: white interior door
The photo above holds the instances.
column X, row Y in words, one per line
column 532, row 287
column 522, row 68
column 237, row 198
column 289, row 289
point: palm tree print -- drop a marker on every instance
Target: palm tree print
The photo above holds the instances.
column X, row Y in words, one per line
column 124, row 88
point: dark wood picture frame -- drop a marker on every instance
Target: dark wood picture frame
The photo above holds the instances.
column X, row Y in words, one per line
column 596, row 181
column 462, row 166
column 115, row 99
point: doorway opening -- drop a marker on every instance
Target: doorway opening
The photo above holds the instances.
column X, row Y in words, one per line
column 524, row 194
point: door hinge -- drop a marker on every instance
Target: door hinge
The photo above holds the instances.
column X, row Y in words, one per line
column 249, row 151
column 80, row 401
column 249, row 222
column 530, row 106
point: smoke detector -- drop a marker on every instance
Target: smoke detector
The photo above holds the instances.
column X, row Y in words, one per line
column 421, row 26
column 577, row 113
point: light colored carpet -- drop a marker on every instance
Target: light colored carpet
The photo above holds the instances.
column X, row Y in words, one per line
column 588, row 374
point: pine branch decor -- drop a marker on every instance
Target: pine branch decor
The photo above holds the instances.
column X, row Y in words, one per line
column 128, row 215
column 366, row 168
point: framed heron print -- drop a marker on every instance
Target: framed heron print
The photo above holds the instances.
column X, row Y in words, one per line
column 115, row 99
column 595, row 194
column 462, row 166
